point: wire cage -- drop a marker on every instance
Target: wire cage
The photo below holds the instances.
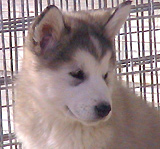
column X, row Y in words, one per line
column 137, row 45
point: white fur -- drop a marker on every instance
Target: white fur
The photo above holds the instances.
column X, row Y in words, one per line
column 57, row 128
column 43, row 121
column 79, row 99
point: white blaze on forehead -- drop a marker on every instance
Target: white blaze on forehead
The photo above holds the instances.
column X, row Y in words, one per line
column 106, row 59
column 96, row 45
column 89, row 64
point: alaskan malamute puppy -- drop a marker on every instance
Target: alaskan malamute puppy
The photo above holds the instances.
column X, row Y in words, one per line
column 67, row 93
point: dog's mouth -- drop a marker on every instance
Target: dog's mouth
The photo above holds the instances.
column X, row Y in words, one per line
column 70, row 113
column 89, row 122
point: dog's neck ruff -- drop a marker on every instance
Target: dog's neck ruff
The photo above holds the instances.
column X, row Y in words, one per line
column 75, row 135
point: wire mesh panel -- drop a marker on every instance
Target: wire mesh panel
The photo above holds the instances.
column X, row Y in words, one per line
column 137, row 44
column 138, row 52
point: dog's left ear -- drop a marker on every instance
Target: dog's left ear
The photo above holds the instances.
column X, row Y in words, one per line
column 117, row 19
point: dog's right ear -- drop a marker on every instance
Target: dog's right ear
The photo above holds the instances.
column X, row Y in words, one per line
column 47, row 29
column 117, row 19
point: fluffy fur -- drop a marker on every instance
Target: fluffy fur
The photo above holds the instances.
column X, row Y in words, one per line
column 54, row 110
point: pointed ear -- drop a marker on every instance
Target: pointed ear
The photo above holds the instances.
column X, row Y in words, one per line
column 117, row 19
column 47, row 28
column 101, row 16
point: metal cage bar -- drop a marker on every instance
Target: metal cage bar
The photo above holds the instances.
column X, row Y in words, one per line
column 137, row 45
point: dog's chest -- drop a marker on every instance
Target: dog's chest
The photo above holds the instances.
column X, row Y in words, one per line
column 80, row 138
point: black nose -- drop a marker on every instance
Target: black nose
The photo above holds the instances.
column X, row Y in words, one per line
column 102, row 110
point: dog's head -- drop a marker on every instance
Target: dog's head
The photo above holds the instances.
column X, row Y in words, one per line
column 74, row 60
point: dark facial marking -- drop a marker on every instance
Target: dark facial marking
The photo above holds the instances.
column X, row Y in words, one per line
column 74, row 39
column 81, row 38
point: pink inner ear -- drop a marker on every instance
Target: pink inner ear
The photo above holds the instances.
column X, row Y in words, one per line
column 45, row 41
column 48, row 38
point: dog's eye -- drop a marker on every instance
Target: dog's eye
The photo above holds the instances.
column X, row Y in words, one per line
column 105, row 76
column 79, row 74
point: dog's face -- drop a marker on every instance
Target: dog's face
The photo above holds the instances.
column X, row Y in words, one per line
column 82, row 87
column 75, row 61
